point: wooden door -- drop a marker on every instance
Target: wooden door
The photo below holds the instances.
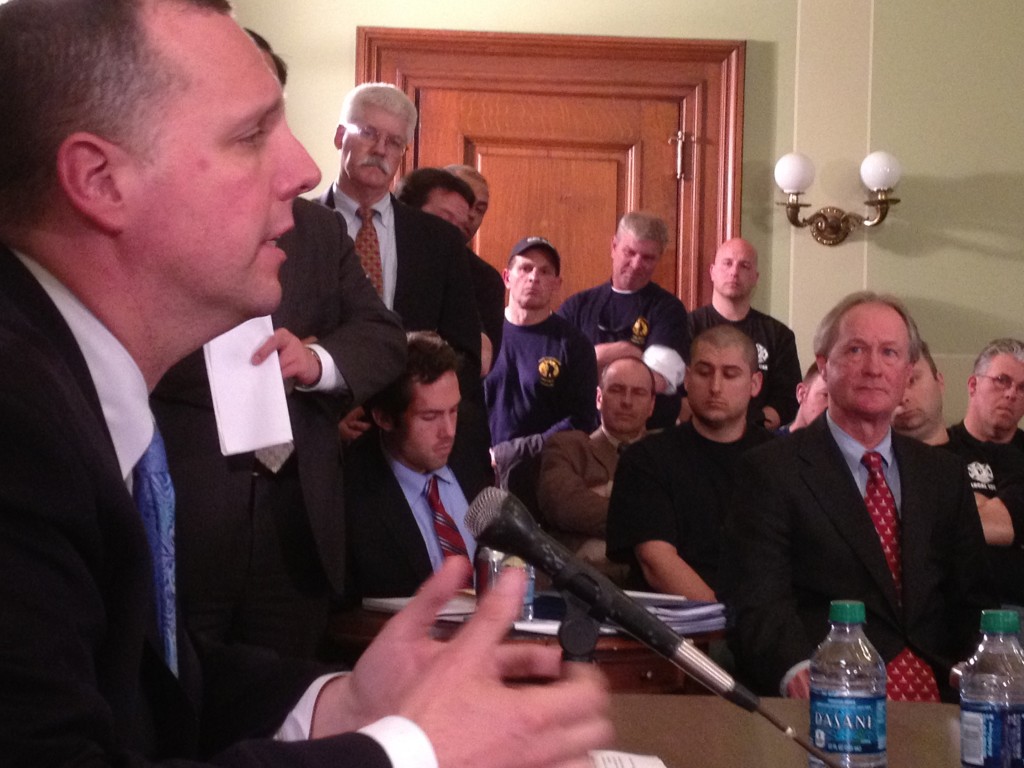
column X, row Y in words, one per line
column 572, row 132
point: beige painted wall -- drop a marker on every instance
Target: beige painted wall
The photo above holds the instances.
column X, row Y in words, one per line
column 933, row 81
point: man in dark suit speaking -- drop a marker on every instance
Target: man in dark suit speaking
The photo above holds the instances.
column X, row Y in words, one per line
column 405, row 508
column 146, row 171
column 845, row 509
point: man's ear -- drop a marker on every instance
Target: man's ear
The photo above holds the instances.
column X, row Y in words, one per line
column 382, row 420
column 756, row 382
column 91, row 172
column 339, row 135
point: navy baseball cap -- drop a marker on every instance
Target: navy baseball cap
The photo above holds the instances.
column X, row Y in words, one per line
column 537, row 242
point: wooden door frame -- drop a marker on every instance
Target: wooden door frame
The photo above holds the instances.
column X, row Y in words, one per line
column 574, row 65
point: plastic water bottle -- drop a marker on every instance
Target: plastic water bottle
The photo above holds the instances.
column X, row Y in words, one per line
column 848, row 692
column 488, row 567
column 992, row 696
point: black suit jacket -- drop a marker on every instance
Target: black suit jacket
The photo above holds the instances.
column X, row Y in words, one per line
column 489, row 289
column 81, row 679
column 434, row 292
column 386, row 553
column 800, row 536
column 326, row 295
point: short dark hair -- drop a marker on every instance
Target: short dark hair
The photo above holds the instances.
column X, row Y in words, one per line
column 76, row 65
column 280, row 67
column 429, row 358
column 722, row 336
column 415, row 187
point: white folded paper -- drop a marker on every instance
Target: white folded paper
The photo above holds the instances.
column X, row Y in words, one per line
column 248, row 400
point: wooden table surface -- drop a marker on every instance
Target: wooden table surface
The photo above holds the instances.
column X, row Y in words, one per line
column 708, row 732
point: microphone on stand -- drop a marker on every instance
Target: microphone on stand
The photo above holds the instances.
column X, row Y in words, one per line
column 499, row 520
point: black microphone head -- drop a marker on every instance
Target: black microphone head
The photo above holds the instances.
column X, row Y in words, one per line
column 485, row 509
column 501, row 521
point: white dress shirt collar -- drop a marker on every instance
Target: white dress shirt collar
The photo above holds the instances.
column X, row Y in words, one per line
column 119, row 382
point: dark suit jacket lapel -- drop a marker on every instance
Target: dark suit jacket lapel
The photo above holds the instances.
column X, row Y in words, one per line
column 828, row 478
column 396, row 516
column 327, row 197
column 27, row 297
column 23, row 294
column 410, row 281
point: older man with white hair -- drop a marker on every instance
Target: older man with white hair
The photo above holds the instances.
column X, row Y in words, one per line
column 416, row 261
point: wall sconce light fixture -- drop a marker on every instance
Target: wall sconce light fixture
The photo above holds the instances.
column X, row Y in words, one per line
column 794, row 173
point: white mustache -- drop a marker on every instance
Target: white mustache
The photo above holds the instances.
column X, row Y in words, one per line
column 377, row 162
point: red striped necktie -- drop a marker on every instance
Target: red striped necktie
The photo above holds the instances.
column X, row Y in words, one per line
column 448, row 535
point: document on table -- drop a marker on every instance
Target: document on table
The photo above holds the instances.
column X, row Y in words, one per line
column 608, row 759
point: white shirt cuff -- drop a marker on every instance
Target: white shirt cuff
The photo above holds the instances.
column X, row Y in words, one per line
column 299, row 722
column 331, row 380
column 405, row 743
column 793, row 671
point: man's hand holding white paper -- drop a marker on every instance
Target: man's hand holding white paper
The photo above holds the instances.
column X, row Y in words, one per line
column 248, row 400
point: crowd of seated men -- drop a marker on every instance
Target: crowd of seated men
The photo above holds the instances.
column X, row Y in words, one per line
column 675, row 451
column 641, row 435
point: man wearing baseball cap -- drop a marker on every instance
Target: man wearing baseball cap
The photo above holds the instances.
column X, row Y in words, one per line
column 545, row 374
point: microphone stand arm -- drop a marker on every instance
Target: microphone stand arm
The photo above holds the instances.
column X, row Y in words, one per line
column 586, row 594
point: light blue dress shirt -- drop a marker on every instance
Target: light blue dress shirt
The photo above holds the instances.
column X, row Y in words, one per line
column 414, row 487
column 853, row 452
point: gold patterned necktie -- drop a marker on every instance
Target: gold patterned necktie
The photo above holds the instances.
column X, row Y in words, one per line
column 368, row 249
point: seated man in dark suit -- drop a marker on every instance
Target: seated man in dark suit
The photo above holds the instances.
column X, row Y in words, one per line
column 405, row 507
column 845, row 509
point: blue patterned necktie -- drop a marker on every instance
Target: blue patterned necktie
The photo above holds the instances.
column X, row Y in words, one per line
column 154, row 496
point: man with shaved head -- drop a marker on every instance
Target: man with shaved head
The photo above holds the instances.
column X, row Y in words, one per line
column 734, row 277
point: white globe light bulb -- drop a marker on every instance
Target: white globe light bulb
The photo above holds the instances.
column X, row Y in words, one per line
column 794, row 173
column 880, row 170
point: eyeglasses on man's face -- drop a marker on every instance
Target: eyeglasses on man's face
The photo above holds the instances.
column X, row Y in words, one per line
column 393, row 142
column 1004, row 383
